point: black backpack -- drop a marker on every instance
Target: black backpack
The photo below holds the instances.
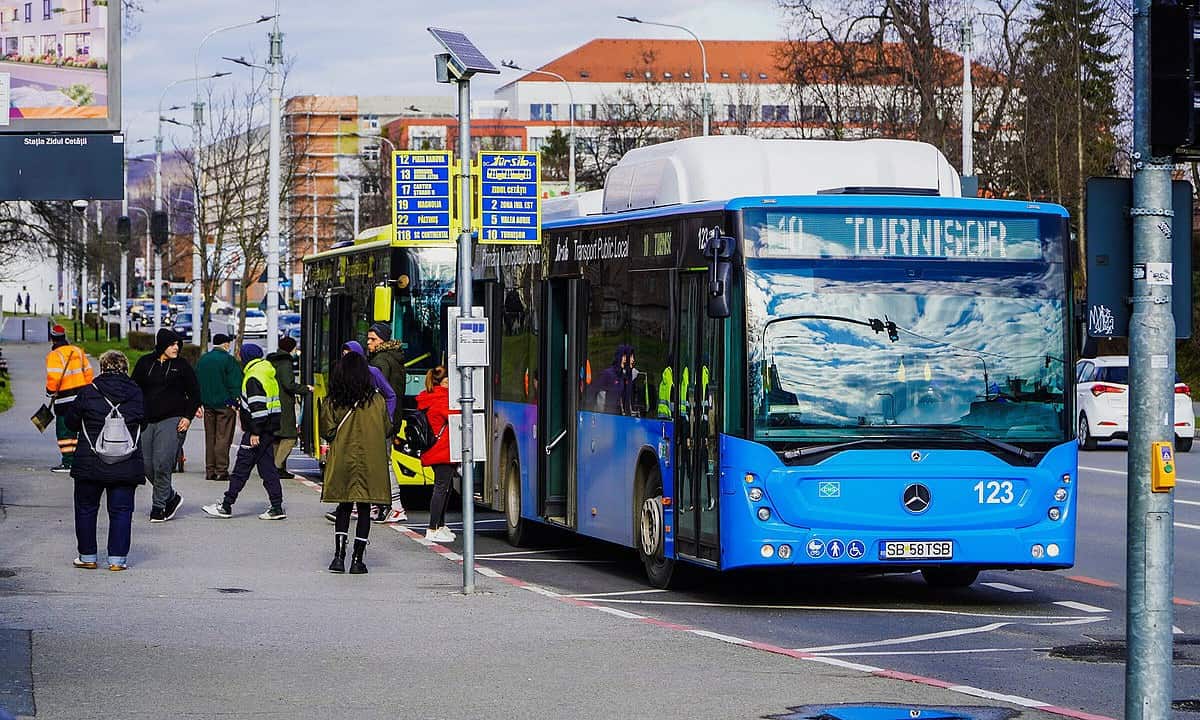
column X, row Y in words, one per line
column 419, row 437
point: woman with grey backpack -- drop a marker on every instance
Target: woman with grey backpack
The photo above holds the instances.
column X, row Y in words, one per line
column 108, row 460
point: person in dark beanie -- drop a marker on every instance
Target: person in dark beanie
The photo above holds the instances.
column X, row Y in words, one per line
column 94, row 477
column 284, row 362
column 260, row 421
column 68, row 371
column 172, row 396
column 388, row 355
column 220, row 377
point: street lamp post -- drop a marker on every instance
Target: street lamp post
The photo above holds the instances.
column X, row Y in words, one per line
column 704, row 101
column 198, row 324
column 354, row 191
column 571, row 96
column 391, row 168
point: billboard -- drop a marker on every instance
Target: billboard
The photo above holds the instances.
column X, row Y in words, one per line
column 60, row 66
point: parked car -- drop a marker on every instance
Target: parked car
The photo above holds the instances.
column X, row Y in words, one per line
column 1102, row 403
column 183, row 326
column 256, row 323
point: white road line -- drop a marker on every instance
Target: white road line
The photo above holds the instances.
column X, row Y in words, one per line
column 541, row 591
column 842, row 608
column 1001, row 697
column 1122, row 472
column 907, row 639
column 520, row 552
column 488, row 572
column 1189, row 526
column 926, row 652
column 1176, row 631
column 826, row 660
column 619, row 613
column 548, row 560
column 1082, row 607
column 614, row 594
column 1076, row 621
column 1006, row 587
column 1186, row 502
column 718, row 636
column 477, row 522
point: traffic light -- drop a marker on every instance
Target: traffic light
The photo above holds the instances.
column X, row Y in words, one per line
column 158, row 229
column 108, row 293
column 124, row 232
column 1173, row 79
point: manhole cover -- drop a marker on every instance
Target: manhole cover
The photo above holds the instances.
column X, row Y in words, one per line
column 1186, row 705
column 231, row 590
column 894, row 712
column 6, row 572
column 1112, row 650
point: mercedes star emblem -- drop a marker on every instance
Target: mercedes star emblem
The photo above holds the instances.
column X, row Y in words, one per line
column 916, row 498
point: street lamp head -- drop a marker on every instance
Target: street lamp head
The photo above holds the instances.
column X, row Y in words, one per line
column 80, row 205
column 239, row 61
column 413, row 108
column 629, row 18
column 220, row 74
column 264, row 18
column 510, row 64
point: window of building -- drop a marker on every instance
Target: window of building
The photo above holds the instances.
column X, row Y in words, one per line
column 28, row 45
column 725, row 75
column 739, row 113
column 541, row 111
column 46, row 9
column 370, row 152
column 860, row 114
column 28, row 12
column 369, row 186
column 775, row 113
column 584, row 74
column 585, row 112
column 686, row 75
column 12, row 45
column 76, row 44
column 814, row 113
column 667, row 76
column 425, row 142
column 49, row 45
column 762, row 76
column 744, row 75
column 536, row 144
column 628, row 74
column 371, row 121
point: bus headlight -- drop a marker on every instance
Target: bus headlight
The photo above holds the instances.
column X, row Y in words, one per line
column 1060, row 495
column 785, row 552
column 1066, row 478
column 1037, row 551
column 1054, row 513
column 1052, row 550
column 764, row 514
column 749, row 477
column 756, row 494
column 767, row 551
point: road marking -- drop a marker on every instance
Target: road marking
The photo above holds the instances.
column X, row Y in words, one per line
column 1189, row 526
column 1076, row 621
column 1006, row 587
column 907, row 639
column 1176, row 631
column 926, row 652
column 1185, row 602
column 1082, row 607
column 1001, row 697
column 1186, row 502
column 1093, row 581
column 614, row 594
column 1122, row 472
column 718, row 636
column 548, row 560
column 841, row 608
column 618, row 613
column 520, row 552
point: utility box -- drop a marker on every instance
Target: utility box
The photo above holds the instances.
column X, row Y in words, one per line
column 1110, row 268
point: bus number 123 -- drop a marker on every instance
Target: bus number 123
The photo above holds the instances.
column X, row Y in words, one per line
column 994, row 492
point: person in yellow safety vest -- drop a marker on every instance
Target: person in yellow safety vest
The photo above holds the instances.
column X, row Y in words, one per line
column 68, row 371
column 260, row 409
column 665, row 385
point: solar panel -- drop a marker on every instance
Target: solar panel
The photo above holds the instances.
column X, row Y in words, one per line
column 463, row 51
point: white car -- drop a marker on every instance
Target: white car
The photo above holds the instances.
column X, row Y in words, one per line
column 256, row 323
column 1102, row 403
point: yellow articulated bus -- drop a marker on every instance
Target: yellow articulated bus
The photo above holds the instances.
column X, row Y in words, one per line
column 348, row 288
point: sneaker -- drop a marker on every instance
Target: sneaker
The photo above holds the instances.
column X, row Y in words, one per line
column 273, row 513
column 115, row 567
column 431, row 535
column 172, row 506
column 444, row 534
column 221, row 509
column 84, row 564
column 158, row 515
column 61, row 469
column 396, row 516
column 379, row 513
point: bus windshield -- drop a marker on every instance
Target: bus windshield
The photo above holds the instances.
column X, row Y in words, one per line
column 426, row 283
column 903, row 346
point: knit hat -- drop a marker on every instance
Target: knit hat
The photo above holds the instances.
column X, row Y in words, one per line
column 383, row 330
column 58, row 332
column 250, row 351
column 221, row 339
column 165, row 338
column 287, row 343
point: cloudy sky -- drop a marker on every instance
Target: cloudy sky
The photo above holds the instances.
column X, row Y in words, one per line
column 381, row 47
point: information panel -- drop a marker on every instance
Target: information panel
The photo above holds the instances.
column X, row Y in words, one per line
column 424, row 198
column 510, row 205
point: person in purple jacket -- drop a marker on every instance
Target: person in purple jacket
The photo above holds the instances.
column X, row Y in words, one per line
column 381, row 384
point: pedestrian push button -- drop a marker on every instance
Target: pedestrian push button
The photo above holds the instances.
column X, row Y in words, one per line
column 1162, row 467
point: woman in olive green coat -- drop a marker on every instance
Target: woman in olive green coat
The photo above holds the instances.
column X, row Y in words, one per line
column 355, row 421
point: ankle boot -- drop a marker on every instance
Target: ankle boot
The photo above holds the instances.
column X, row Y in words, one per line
column 339, row 553
column 356, row 562
column 284, row 474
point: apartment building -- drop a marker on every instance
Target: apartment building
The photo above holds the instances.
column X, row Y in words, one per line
column 75, row 29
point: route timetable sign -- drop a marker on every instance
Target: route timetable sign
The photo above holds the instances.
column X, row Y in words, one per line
column 510, row 204
column 424, row 198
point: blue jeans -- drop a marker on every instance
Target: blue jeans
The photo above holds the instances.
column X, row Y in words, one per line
column 120, row 519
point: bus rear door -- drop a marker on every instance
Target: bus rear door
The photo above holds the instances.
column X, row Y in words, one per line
column 563, row 302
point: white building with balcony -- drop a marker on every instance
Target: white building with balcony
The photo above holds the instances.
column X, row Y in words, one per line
column 75, row 29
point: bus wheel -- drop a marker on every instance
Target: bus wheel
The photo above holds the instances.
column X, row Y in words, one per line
column 651, row 533
column 950, row 577
column 520, row 532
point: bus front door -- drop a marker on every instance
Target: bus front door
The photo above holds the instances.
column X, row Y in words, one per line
column 559, row 398
column 697, row 493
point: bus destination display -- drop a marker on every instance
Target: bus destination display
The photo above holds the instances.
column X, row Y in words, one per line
column 510, row 206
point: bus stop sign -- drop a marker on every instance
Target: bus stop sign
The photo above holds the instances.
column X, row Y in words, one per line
column 1110, row 269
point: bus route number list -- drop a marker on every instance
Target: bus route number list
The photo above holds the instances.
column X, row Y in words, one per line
column 423, row 198
column 509, row 198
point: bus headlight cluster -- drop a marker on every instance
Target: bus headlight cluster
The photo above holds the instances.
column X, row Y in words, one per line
column 785, row 552
column 764, row 514
column 1060, row 495
column 767, row 551
column 1037, row 551
column 756, row 494
column 1052, row 550
column 1054, row 513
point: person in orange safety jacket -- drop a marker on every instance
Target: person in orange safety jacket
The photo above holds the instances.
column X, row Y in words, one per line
column 68, row 371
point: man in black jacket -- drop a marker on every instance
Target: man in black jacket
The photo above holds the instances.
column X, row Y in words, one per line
column 172, row 397
column 388, row 355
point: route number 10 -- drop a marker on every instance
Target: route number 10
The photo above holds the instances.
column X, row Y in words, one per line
column 994, row 492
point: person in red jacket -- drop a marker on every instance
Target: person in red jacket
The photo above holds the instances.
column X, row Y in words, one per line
column 435, row 401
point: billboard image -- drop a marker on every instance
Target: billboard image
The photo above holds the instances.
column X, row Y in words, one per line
column 59, row 65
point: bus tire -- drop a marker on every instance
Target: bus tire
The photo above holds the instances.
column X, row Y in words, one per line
column 650, row 531
column 949, row 577
column 518, row 529
column 1086, row 441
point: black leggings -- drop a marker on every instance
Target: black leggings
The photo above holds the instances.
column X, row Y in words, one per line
column 342, row 519
column 443, row 477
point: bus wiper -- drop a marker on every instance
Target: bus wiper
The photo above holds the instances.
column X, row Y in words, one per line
column 999, row 444
column 818, row 449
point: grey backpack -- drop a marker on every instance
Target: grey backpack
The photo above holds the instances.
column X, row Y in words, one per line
column 114, row 444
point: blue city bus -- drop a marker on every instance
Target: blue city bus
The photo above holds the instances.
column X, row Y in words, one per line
column 768, row 353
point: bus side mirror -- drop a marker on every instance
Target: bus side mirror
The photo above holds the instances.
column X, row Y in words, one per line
column 382, row 310
column 720, row 274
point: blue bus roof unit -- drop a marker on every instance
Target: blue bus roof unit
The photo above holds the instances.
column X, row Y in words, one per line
column 899, row 202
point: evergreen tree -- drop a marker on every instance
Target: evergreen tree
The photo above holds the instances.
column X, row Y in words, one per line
column 556, row 156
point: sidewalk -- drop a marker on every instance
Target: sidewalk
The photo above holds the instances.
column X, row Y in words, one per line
column 239, row 619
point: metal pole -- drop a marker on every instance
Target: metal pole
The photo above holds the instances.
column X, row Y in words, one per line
column 197, row 239
column 100, row 262
column 463, row 285
column 124, row 248
column 1150, row 522
column 276, row 57
column 968, row 98
column 158, row 143
column 313, row 184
